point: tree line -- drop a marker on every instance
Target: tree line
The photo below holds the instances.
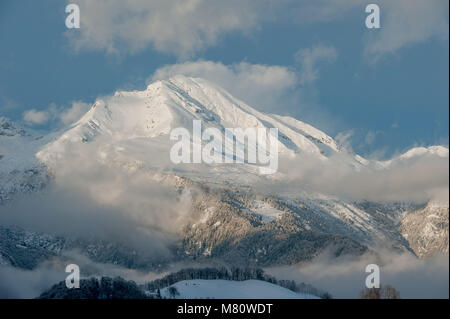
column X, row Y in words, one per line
column 235, row 274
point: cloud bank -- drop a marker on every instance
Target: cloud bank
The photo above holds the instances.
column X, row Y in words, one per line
column 58, row 115
column 345, row 277
column 417, row 179
column 177, row 27
column 89, row 197
column 183, row 28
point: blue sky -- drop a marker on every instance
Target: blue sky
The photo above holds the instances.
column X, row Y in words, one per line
column 381, row 91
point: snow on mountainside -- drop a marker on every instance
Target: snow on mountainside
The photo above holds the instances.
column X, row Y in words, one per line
column 227, row 289
column 230, row 221
column 20, row 170
column 427, row 230
column 415, row 153
column 166, row 105
column 420, row 151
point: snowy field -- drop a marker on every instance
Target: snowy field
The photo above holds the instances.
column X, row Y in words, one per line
column 228, row 289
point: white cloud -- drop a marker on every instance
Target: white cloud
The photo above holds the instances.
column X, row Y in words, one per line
column 74, row 113
column 405, row 23
column 35, row 117
column 58, row 114
column 417, row 179
column 309, row 58
column 180, row 27
column 262, row 86
column 104, row 198
column 343, row 139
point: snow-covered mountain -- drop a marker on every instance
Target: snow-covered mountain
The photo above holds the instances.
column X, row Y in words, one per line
column 427, row 229
column 231, row 218
column 134, row 128
column 166, row 105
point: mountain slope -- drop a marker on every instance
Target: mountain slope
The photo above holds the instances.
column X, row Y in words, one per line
column 427, row 230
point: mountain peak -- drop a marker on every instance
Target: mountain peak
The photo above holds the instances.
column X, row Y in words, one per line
column 177, row 102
